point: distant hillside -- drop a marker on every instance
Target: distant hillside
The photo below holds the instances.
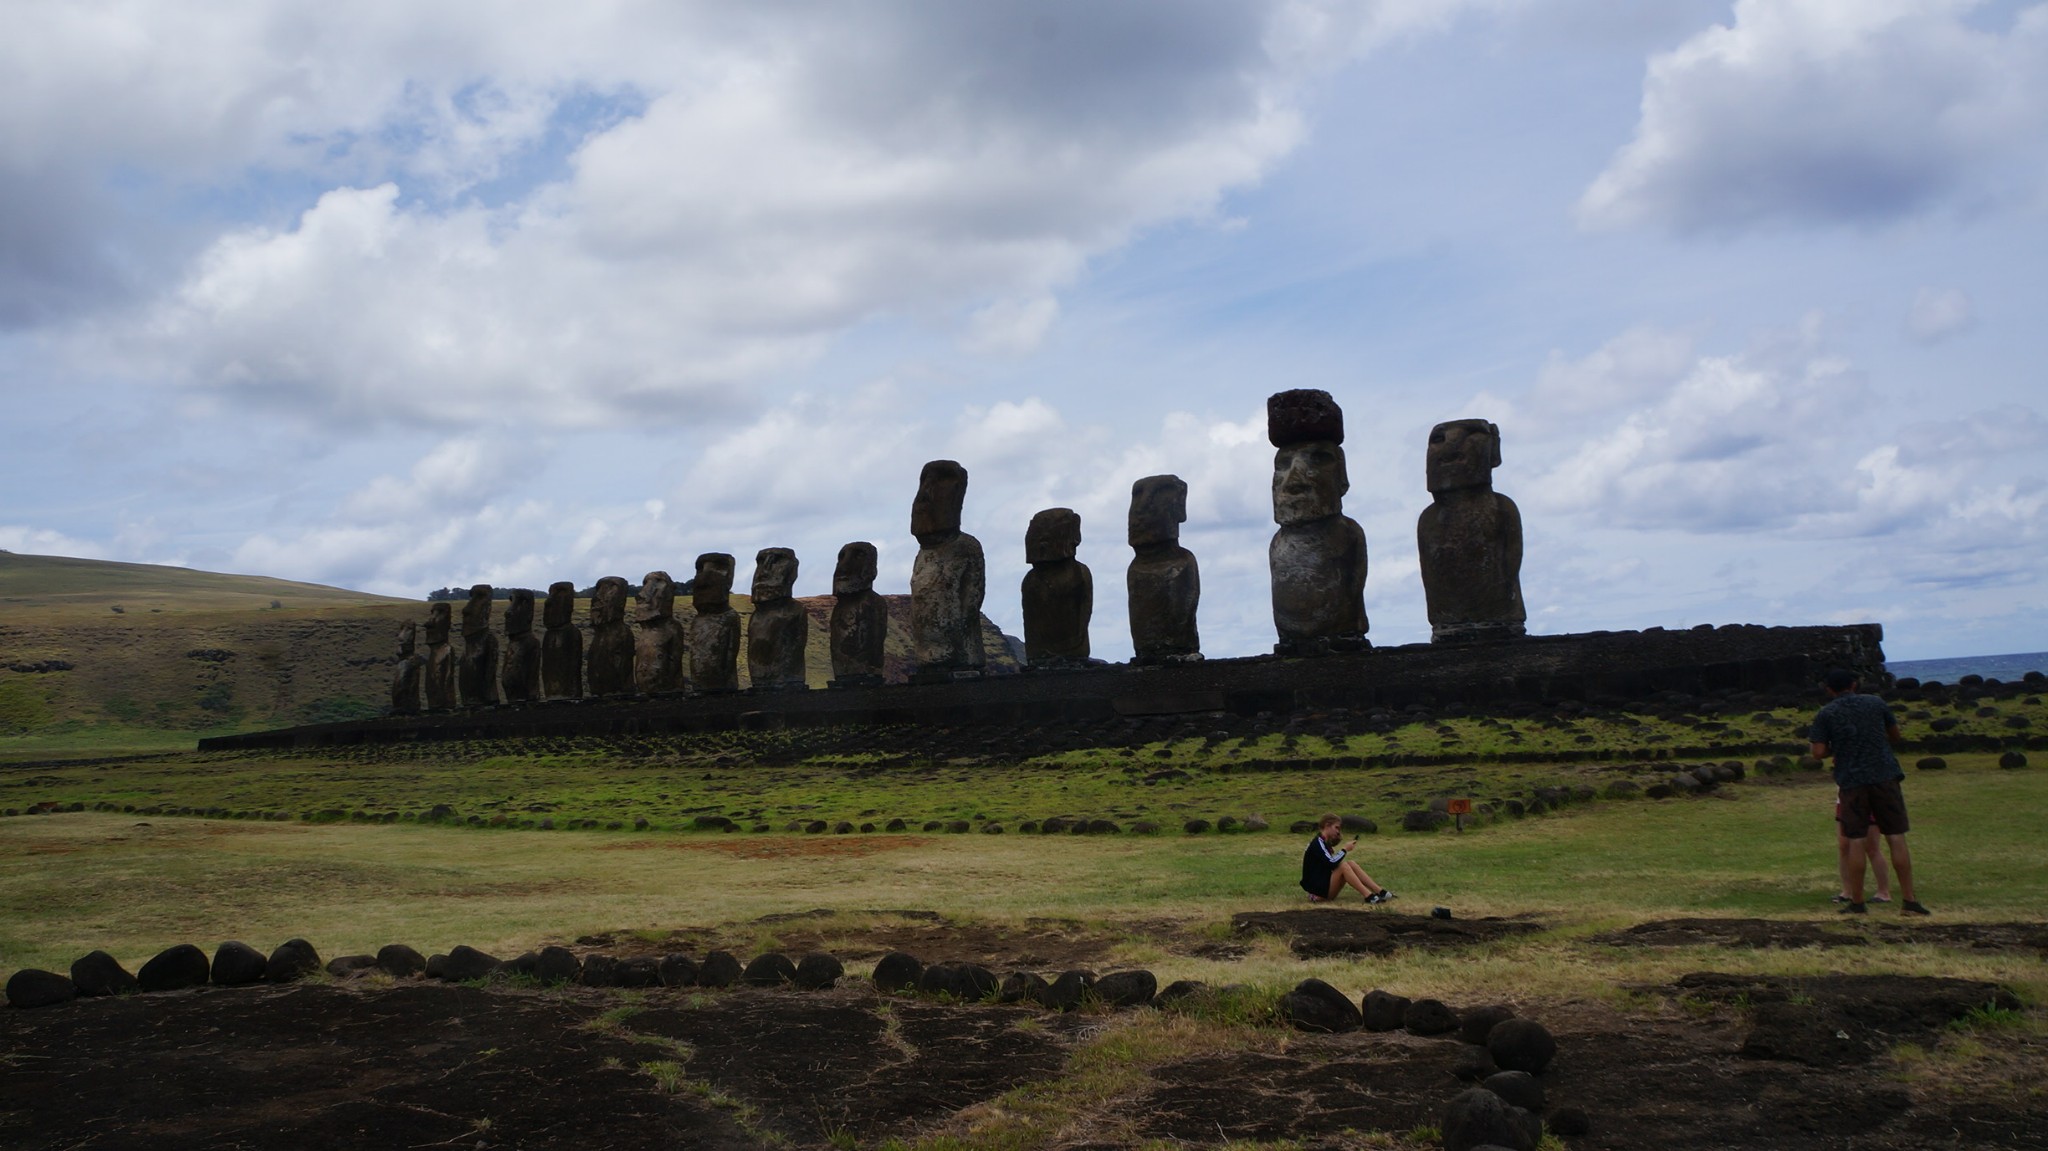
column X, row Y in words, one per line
column 192, row 652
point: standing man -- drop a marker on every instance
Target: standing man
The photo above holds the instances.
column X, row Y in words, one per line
column 1859, row 732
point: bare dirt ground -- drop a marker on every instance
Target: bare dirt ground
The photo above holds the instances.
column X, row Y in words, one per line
column 1747, row 1062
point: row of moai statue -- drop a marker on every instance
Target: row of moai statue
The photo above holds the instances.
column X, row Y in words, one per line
column 1469, row 540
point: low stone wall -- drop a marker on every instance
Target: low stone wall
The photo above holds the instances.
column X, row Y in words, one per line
column 1609, row 667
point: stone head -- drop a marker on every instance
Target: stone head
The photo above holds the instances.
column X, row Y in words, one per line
column 856, row 570
column 608, row 601
column 519, row 612
column 1309, row 482
column 941, row 493
column 1462, row 454
column 657, row 597
column 406, row 640
column 476, row 614
column 1159, row 505
column 774, row 575
column 561, row 606
column 1054, row 534
column 713, row 589
column 438, row 617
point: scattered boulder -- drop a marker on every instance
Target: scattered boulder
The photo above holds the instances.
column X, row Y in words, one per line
column 678, row 971
column 1474, row 1025
column 1517, row 1089
column 350, row 966
column 236, row 964
column 1145, row 827
column 1255, row 823
column 1314, row 1005
column 462, row 964
column 2013, row 759
column 399, row 961
column 720, row 969
column 1382, row 1010
column 1023, row 987
column 898, row 971
column 817, row 971
column 1227, row 823
column 293, row 959
column 1127, row 988
column 1356, row 823
column 98, row 973
column 175, row 967
column 1195, row 826
column 1068, row 990
column 1429, row 1017
column 557, row 964
column 1178, row 990
column 1423, row 820
column 1479, row 1118
column 600, row 971
column 1104, row 827
column 1472, row 1065
column 1522, row 1045
column 640, row 971
column 1931, row 763
column 31, row 987
column 969, row 982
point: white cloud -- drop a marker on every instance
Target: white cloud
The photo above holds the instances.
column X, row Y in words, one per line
column 1803, row 111
column 1938, row 314
column 27, row 539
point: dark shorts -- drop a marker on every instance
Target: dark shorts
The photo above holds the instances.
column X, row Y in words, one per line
column 1882, row 804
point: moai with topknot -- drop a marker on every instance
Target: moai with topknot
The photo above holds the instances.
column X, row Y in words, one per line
column 659, row 645
column 561, row 645
column 440, row 669
column 405, row 678
column 520, row 673
column 1059, row 592
column 780, row 628
column 1164, row 582
column 611, row 640
column 1318, row 556
column 1469, row 539
column 715, row 633
column 860, row 618
column 948, row 579
column 477, row 674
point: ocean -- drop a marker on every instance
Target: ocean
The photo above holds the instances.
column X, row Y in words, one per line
column 2007, row 668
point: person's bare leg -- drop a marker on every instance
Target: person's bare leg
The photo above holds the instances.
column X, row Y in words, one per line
column 1342, row 876
column 1360, row 879
column 1902, row 864
column 1878, row 871
column 1842, row 858
column 1852, row 871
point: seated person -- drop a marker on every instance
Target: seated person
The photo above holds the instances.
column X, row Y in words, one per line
column 1325, row 871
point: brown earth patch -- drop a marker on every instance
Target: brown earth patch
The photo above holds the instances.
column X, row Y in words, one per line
column 1786, row 933
column 1035, row 944
column 1335, row 931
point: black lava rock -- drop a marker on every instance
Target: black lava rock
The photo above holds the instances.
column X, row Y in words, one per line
column 174, row 968
column 898, row 971
column 236, row 963
column 1383, row 1010
column 556, row 964
column 351, row 966
column 1314, row 1005
column 1472, row 1064
column 101, row 974
column 1178, row 990
column 771, row 969
column 1127, row 988
column 678, row 971
column 1429, row 1017
column 720, row 969
column 817, row 971
column 2013, row 759
column 968, row 982
column 399, row 961
column 1517, row 1089
column 292, row 959
column 1195, row 826
column 1067, row 991
column 1932, row 763
column 640, row 971
column 1421, row 820
column 1474, row 1025
column 464, row 963
column 1522, row 1045
column 1023, row 987
column 1479, row 1118
column 31, row 987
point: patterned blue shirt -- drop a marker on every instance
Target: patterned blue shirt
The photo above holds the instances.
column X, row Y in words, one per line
column 1853, row 726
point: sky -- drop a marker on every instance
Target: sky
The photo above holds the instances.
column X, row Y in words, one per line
column 395, row 296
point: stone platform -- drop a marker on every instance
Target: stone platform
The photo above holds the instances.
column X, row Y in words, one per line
column 1596, row 667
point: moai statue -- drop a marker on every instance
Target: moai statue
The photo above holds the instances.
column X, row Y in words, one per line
column 860, row 618
column 780, row 628
column 715, row 633
column 1318, row 555
column 477, row 674
column 561, row 646
column 520, row 674
column 611, row 640
column 1469, row 539
column 405, row 678
column 948, row 579
column 440, row 682
column 1164, row 583
column 1059, row 592
column 659, row 643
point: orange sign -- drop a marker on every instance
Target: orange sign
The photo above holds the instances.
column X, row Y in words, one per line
column 1459, row 807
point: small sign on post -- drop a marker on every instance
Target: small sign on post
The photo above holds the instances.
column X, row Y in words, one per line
column 1459, row 809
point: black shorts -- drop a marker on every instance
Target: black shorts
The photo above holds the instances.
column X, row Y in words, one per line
column 1882, row 804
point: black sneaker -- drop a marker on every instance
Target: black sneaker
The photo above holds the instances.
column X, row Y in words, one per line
column 1854, row 909
column 1914, row 907
column 1380, row 896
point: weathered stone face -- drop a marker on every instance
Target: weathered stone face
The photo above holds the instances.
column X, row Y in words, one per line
column 712, row 591
column 608, row 602
column 941, row 494
column 405, row 678
column 1309, row 482
column 439, row 616
column 611, row 641
column 476, row 614
column 658, row 643
column 1462, row 454
column 519, row 612
column 1054, row 534
column 855, row 572
column 561, row 606
column 406, row 633
column 774, row 575
column 476, row 675
column 1159, row 505
column 657, row 597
